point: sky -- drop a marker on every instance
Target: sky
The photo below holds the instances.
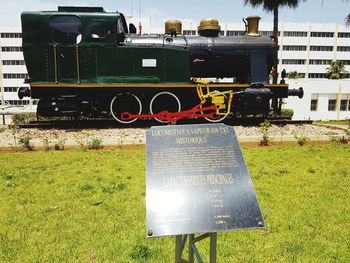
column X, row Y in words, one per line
column 323, row 11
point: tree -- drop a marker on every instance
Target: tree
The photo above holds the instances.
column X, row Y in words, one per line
column 294, row 75
column 347, row 18
column 272, row 6
column 336, row 70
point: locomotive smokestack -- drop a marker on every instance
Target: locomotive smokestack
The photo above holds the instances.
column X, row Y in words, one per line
column 209, row 27
column 253, row 26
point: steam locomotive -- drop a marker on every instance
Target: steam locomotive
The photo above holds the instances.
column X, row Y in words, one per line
column 83, row 61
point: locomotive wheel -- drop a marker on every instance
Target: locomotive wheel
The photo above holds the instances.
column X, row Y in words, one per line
column 164, row 101
column 218, row 118
column 125, row 102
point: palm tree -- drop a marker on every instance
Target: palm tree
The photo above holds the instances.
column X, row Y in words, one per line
column 336, row 70
column 347, row 18
column 272, row 6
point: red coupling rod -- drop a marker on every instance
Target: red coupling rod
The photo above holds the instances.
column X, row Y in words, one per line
column 172, row 117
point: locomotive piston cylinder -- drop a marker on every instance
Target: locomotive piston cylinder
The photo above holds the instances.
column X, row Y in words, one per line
column 260, row 94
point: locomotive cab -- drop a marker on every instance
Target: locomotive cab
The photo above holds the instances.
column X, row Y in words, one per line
column 66, row 44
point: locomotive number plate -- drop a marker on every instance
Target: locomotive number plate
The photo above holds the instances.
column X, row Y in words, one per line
column 149, row 63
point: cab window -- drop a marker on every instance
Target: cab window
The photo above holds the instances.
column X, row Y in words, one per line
column 65, row 29
column 98, row 29
column 120, row 26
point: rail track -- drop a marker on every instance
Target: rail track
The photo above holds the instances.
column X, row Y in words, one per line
column 110, row 124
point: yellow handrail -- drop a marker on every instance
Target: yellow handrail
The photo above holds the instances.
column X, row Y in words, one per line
column 223, row 107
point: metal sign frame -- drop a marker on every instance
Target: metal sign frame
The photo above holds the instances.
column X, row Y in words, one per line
column 180, row 244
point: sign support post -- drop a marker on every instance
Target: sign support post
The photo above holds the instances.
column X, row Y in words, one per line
column 180, row 244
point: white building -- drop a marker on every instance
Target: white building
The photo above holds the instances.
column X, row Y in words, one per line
column 307, row 48
column 13, row 71
column 323, row 99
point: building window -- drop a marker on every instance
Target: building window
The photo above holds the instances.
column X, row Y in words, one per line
column 331, row 105
column 15, row 76
column 11, row 49
column 18, row 102
column 222, row 33
column 266, row 33
column 12, row 62
column 321, row 48
column 293, row 61
column 344, row 35
column 322, row 34
column 294, row 48
column 10, row 89
column 343, row 48
column 343, row 105
column 317, row 75
column 320, row 61
column 345, row 62
column 11, row 35
column 189, row 32
column 294, row 34
column 314, row 103
column 231, row 33
column 65, row 29
column 98, row 29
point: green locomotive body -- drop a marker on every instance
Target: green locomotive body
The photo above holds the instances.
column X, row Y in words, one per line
column 84, row 61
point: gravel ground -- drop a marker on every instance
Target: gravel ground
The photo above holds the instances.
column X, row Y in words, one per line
column 290, row 130
column 137, row 136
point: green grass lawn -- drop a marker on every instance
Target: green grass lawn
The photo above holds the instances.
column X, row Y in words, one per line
column 336, row 122
column 89, row 206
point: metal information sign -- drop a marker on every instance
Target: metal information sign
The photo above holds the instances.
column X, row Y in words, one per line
column 197, row 181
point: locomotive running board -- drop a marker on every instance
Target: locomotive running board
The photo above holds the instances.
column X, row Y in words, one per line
column 148, row 85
